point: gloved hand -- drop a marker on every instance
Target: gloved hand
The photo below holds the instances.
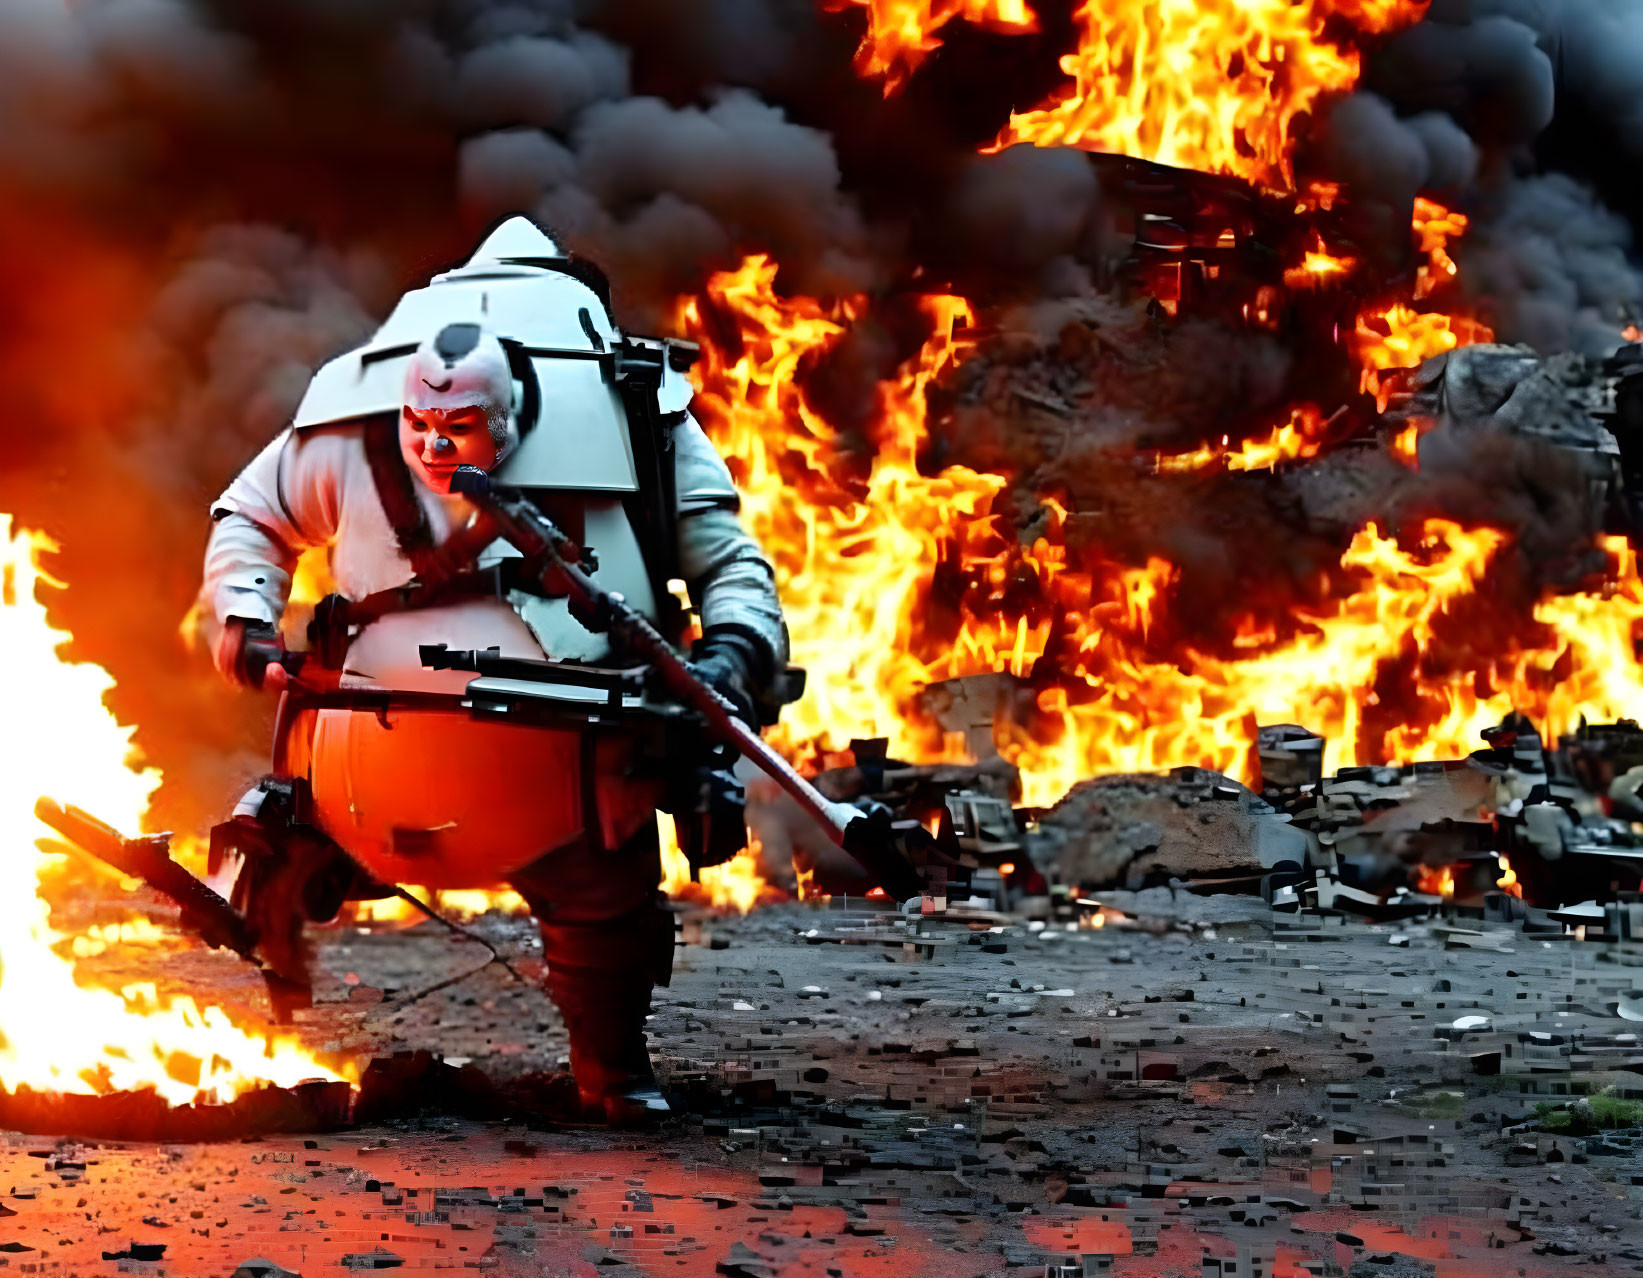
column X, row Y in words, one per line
column 726, row 663
column 711, row 819
column 247, row 653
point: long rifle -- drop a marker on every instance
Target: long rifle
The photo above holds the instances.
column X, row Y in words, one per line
column 868, row 837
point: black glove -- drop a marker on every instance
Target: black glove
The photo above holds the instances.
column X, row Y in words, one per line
column 710, row 816
column 727, row 662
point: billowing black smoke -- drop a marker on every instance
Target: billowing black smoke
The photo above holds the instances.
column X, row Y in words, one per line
column 200, row 200
column 1538, row 85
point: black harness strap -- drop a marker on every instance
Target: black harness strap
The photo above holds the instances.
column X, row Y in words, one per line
column 654, row 509
column 396, row 490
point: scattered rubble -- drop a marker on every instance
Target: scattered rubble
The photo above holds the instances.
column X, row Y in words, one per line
column 1199, row 1081
column 1174, row 1021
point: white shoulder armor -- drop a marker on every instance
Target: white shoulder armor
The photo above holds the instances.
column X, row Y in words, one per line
column 550, row 313
column 702, row 477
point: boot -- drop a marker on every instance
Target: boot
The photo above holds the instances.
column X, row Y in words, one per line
column 600, row 976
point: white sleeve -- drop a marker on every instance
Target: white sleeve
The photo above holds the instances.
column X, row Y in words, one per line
column 284, row 502
column 730, row 580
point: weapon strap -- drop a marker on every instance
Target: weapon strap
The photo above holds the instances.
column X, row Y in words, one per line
column 434, row 565
column 396, row 490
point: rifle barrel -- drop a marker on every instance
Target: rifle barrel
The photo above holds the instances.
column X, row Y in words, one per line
column 535, row 535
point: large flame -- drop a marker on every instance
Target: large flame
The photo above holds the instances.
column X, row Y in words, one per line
column 853, row 553
column 55, row 1033
column 902, row 33
column 893, row 579
column 1590, row 671
column 1398, row 667
column 1214, row 85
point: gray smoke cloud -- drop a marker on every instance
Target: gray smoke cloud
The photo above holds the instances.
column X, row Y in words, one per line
column 1485, row 68
column 658, row 194
column 538, row 80
column 1549, row 266
column 1544, row 260
column 1380, row 155
column 1025, row 207
column 1596, row 48
column 239, row 328
column 1384, row 160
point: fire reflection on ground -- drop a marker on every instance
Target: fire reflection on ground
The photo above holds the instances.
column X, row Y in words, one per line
column 447, row 1196
column 461, row 1196
column 1186, row 1082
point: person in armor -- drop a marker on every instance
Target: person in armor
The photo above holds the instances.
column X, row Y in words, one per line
column 399, row 772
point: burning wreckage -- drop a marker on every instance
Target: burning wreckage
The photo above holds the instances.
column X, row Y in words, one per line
column 1514, row 832
column 1517, row 828
column 1260, row 494
column 1381, row 842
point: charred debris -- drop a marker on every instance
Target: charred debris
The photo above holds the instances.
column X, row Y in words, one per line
column 1524, row 831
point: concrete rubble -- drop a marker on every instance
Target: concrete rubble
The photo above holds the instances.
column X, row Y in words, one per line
column 1560, row 815
column 1172, row 1025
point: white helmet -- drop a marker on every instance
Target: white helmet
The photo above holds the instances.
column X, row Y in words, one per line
column 465, row 366
column 521, row 286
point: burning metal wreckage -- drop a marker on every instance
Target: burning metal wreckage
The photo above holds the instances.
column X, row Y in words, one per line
column 1016, row 993
column 1475, row 921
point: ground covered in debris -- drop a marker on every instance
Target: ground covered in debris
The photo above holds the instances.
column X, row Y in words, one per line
column 1195, row 1087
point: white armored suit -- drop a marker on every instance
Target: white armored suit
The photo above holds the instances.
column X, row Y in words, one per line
column 314, row 486
column 408, row 778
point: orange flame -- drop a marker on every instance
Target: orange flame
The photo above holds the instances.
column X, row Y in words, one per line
column 1591, row 669
column 1383, row 665
column 902, row 33
column 1405, row 445
column 1136, row 710
column 738, row 885
column 1434, row 227
column 452, row 903
column 1435, row 880
column 1319, row 267
column 1397, row 336
column 854, row 555
column 55, row 1033
column 1300, row 437
column 1215, row 85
